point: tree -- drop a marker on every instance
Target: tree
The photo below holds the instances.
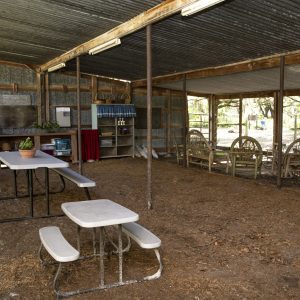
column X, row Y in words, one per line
column 265, row 106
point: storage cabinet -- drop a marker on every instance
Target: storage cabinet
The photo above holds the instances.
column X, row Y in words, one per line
column 116, row 133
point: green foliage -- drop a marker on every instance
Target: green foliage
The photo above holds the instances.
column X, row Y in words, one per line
column 26, row 144
column 47, row 125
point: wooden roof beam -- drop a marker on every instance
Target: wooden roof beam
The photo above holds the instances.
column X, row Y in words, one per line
column 245, row 66
column 153, row 15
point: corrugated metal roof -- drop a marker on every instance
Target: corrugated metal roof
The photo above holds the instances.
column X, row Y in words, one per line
column 238, row 30
column 36, row 31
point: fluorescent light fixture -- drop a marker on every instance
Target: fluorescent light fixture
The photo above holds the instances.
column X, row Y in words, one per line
column 56, row 67
column 105, row 46
column 198, row 6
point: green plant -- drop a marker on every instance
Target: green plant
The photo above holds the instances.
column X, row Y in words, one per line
column 47, row 125
column 26, row 144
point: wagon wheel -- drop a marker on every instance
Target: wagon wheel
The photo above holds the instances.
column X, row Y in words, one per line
column 290, row 161
column 294, row 147
column 195, row 139
column 246, row 144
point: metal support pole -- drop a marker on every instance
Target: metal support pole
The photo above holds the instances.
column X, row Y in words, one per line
column 185, row 129
column 275, row 121
column 78, row 113
column 39, row 97
column 47, row 98
column 213, row 120
column 240, row 116
column 168, row 123
column 280, row 110
column 149, row 117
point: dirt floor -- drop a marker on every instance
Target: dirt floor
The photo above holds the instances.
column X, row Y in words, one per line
column 222, row 237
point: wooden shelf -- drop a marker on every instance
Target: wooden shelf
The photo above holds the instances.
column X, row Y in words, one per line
column 43, row 138
column 123, row 143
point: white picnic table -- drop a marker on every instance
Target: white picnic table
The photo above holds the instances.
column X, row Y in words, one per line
column 14, row 161
column 99, row 214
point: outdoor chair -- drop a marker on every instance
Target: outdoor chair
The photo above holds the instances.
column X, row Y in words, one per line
column 200, row 152
column 290, row 160
column 179, row 151
column 246, row 154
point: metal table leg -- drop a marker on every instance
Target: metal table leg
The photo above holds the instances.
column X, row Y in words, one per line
column 47, row 190
column 78, row 238
column 101, row 241
column 15, row 184
column 30, row 191
column 120, row 250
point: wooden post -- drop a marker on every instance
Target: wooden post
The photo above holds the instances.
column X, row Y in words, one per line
column 240, row 116
column 94, row 88
column 168, row 123
column 47, row 98
column 78, row 113
column 39, row 96
column 186, row 121
column 213, row 120
column 280, row 111
column 149, row 116
column 275, row 121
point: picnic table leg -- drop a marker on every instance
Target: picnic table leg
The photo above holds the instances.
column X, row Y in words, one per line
column 120, row 250
column 30, row 190
column 47, row 190
column 101, row 241
column 78, row 238
column 94, row 241
column 15, row 184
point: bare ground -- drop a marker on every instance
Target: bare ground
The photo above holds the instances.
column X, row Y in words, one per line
column 222, row 237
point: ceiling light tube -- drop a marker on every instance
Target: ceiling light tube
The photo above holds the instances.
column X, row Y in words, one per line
column 198, row 6
column 56, row 67
column 105, row 46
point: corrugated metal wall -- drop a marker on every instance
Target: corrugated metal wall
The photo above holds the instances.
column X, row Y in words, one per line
column 21, row 76
column 25, row 80
column 160, row 139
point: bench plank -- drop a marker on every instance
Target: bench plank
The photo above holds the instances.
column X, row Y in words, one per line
column 75, row 177
column 145, row 238
column 56, row 245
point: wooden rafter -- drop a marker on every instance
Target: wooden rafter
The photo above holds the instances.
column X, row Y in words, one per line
column 153, row 15
column 245, row 66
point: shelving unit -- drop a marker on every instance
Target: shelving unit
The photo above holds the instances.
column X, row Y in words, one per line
column 40, row 138
column 116, row 134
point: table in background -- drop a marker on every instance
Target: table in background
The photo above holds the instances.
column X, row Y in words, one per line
column 39, row 138
column 14, row 161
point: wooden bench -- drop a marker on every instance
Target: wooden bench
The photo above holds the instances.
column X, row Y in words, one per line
column 246, row 154
column 76, row 178
column 200, row 152
column 146, row 240
column 61, row 251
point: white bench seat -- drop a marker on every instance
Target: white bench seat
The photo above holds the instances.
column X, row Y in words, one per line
column 144, row 238
column 75, row 177
column 56, row 245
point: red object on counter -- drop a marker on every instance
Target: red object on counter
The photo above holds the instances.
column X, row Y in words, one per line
column 90, row 144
